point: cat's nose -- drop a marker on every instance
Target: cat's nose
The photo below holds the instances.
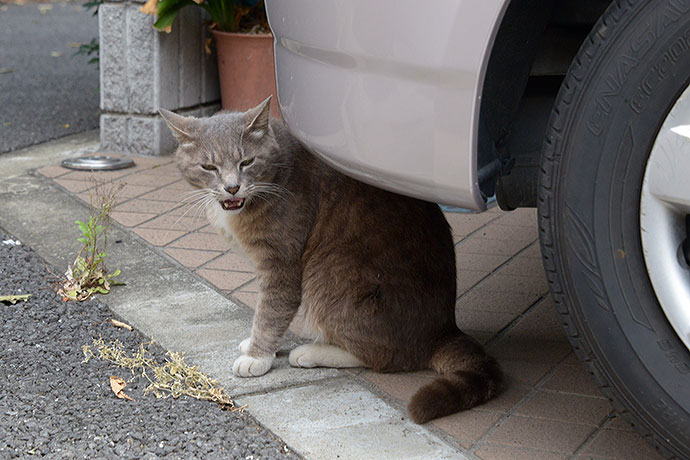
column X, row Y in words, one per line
column 232, row 189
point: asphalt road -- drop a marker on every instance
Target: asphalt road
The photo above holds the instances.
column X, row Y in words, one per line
column 45, row 91
column 53, row 404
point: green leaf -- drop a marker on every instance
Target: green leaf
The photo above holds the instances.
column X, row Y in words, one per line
column 82, row 226
column 167, row 12
column 101, row 290
column 82, row 240
column 115, row 273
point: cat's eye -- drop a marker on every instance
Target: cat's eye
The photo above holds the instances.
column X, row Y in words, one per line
column 246, row 162
column 209, row 167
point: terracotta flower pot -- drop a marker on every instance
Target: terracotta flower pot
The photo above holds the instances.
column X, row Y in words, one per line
column 246, row 70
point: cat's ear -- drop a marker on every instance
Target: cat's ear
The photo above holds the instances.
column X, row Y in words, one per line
column 183, row 128
column 258, row 118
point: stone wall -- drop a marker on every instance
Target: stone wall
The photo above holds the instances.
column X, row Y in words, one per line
column 143, row 70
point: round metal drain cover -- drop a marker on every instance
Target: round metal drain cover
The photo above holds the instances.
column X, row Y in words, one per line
column 98, row 163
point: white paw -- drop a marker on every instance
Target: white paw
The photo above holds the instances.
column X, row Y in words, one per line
column 303, row 356
column 246, row 366
column 244, row 345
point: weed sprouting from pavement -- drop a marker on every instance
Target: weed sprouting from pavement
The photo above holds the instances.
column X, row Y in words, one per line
column 88, row 274
column 172, row 378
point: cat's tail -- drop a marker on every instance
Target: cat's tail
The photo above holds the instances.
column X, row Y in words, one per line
column 468, row 377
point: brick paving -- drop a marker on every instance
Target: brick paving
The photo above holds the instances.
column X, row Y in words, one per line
column 550, row 409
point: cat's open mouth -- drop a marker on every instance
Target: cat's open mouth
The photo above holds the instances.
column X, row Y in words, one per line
column 232, row 204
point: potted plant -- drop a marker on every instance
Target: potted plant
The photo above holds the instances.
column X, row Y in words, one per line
column 244, row 45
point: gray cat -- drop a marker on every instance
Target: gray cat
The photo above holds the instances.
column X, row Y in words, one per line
column 373, row 271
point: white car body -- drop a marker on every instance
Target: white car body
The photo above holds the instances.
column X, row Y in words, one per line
column 388, row 97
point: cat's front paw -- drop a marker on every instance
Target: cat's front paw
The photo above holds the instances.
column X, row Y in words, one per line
column 244, row 345
column 246, row 366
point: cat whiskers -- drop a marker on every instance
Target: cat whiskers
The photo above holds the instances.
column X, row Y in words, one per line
column 267, row 190
column 198, row 201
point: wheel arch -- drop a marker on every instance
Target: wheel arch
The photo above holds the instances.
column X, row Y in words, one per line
column 533, row 47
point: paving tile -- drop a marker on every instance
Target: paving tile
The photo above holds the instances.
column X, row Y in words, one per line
column 494, row 231
column 479, row 262
column 342, row 420
column 181, row 186
column 521, row 265
column 205, row 241
column 527, row 349
column 499, row 452
column 231, row 261
column 468, row 426
column 158, row 237
column 476, row 244
column 468, row 278
column 535, row 284
column 165, row 169
column 131, row 219
column 173, row 195
column 223, row 279
column 150, row 180
column 571, row 408
column 251, row 287
column 131, row 191
column 484, row 299
column 174, row 223
column 512, row 394
column 148, row 162
column 191, row 258
column 142, row 205
column 532, row 252
column 479, row 320
column 540, row 324
column 572, row 379
column 480, row 336
column 521, row 372
column 465, row 223
column 99, row 176
column 524, row 217
column 53, row 172
column 618, row 444
column 74, row 186
column 400, row 386
column 540, row 434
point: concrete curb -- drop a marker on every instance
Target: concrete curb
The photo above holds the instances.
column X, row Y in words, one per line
column 320, row 413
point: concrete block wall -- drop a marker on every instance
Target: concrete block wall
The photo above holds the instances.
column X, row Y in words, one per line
column 143, row 70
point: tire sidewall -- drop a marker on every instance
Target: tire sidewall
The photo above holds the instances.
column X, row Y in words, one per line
column 616, row 105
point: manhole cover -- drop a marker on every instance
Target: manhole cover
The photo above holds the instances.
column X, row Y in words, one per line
column 98, row 163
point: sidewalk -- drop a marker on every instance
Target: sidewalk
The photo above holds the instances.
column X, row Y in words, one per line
column 192, row 294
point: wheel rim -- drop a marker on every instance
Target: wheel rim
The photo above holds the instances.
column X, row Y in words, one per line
column 664, row 207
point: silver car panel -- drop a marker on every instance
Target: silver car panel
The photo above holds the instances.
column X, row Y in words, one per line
column 388, row 91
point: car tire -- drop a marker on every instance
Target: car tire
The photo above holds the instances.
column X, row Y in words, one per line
column 626, row 78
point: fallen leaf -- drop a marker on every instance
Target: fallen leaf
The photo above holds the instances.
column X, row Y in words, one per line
column 150, row 7
column 55, row 54
column 117, row 384
column 66, row 125
column 73, row 45
column 117, row 323
column 14, row 298
column 45, row 8
column 6, row 70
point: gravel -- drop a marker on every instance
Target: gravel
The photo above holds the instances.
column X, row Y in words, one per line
column 54, row 405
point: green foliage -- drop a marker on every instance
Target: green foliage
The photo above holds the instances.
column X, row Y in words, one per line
column 88, row 49
column 88, row 274
column 227, row 15
column 93, row 47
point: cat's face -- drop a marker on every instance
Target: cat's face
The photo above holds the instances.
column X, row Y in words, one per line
column 230, row 156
